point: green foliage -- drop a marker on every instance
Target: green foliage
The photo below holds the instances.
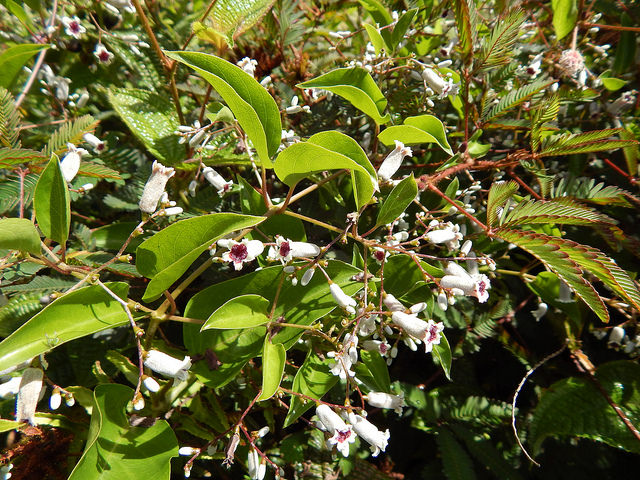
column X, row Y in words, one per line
column 498, row 48
column 274, row 357
column 52, row 203
column 397, row 201
column 13, row 59
column 515, row 97
column 9, row 120
column 586, row 142
column 245, row 311
column 565, row 14
column 19, row 234
column 417, row 130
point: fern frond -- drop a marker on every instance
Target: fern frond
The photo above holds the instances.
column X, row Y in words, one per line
column 497, row 77
column 15, row 156
column 9, row 120
column 515, row 98
column 564, row 211
column 455, row 460
column 546, row 112
column 586, row 189
column 594, row 141
column 41, row 284
column 93, row 169
column 467, row 24
column 498, row 49
column 498, row 194
column 10, row 191
column 144, row 67
column 70, row 132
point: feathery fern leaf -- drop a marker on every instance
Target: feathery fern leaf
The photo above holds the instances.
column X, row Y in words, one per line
column 499, row 193
column 9, row 120
column 455, row 460
column 594, row 141
column 92, row 169
column 514, row 98
column 467, row 24
column 546, row 112
column 10, row 191
column 586, row 189
column 498, row 49
column 70, row 132
column 561, row 257
column 41, row 284
column 15, row 156
column 555, row 211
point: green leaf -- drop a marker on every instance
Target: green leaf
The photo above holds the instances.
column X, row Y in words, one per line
column 169, row 253
column 6, row 425
column 613, row 84
column 230, row 18
column 575, row 407
column 417, row 130
column 9, row 120
column 561, row 210
column 74, row 315
column 401, row 274
column 274, row 357
column 16, row 156
column 115, row 450
column 376, row 39
column 377, row 365
column 467, row 24
column 498, row 48
column 328, row 151
column 312, row 379
column 455, row 460
column 14, row 58
column 357, row 87
column 565, row 14
column 626, row 48
column 499, row 193
column 401, row 27
column 593, row 141
column 442, row 351
column 19, row 234
column 514, row 98
column 153, row 120
column 245, row 311
column 69, row 132
column 52, row 203
column 256, row 110
column 402, row 195
column 560, row 256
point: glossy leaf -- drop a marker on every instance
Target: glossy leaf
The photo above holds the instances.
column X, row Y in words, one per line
column 152, row 118
column 416, row 131
column 328, row 151
column 245, row 311
column 19, row 234
column 169, row 253
column 14, row 58
column 6, row 425
column 74, row 315
column 442, row 351
column 357, row 87
column 402, row 195
column 565, row 14
column 274, row 357
column 52, row 203
column 376, row 38
column 312, row 379
column 232, row 17
column 377, row 365
column 401, row 27
column 575, row 407
column 613, row 84
column 256, row 110
column 115, row 450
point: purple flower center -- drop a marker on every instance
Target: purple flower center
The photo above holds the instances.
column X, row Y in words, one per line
column 379, row 255
column 342, row 435
column 285, row 248
column 383, row 348
column 433, row 333
column 74, row 26
column 103, row 56
column 238, row 253
column 482, row 287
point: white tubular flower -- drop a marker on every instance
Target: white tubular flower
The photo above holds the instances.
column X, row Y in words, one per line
column 62, row 88
column 248, row 65
column 151, row 384
column 439, row 85
column 564, row 294
column 343, row 434
column 392, row 162
column 70, row 163
column 345, row 358
column 55, row 400
column 188, row 451
column 103, row 55
column 10, row 387
column 539, row 312
column 218, row 182
column 428, row 332
column 262, row 432
column 154, row 188
column 286, row 250
column 28, row 395
column 369, row 432
column 616, row 335
column 167, row 365
column 392, row 303
column 241, row 252
column 73, row 27
column 376, row 346
column 256, row 466
column 367, row 324
column 342, row 299
column 449, row 234
column 307, row 276
column 173, row 211
column 461, row 283
column 386, row 400
column 443, row 301
column 466, row 247
column 97, row 144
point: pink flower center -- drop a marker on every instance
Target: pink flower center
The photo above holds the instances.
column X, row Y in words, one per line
column 103, row 56
column 433, row 333
column 342, row 436
column 379, row 255
column 482, row 287
column 383, row 348
column 74, row 26
column 285, row 248
column 238, row 253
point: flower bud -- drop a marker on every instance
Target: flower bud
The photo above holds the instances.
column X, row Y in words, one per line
column 28, row 395
column 154, row 188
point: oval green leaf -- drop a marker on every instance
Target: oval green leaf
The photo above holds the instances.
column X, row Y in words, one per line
column 245, row 311
column 168, row 254
column 398, row 200
column 357, row 87
column 74, row 315
column 329, row 151
column 52, row 203
column 376, row 39
column 13, row 59
column 565, row 14
column 442, row 352
column 115, row 450
column 274, row 357
column 152, row 118
column 19, row 234
column 417, row 130
column 256, row 110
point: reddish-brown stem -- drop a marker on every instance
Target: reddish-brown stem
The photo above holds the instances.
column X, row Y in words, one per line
column 610, row 27
column 436, row 190
column 521, row 182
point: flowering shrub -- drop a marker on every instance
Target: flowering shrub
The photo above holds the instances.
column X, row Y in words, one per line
column 229, row 229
